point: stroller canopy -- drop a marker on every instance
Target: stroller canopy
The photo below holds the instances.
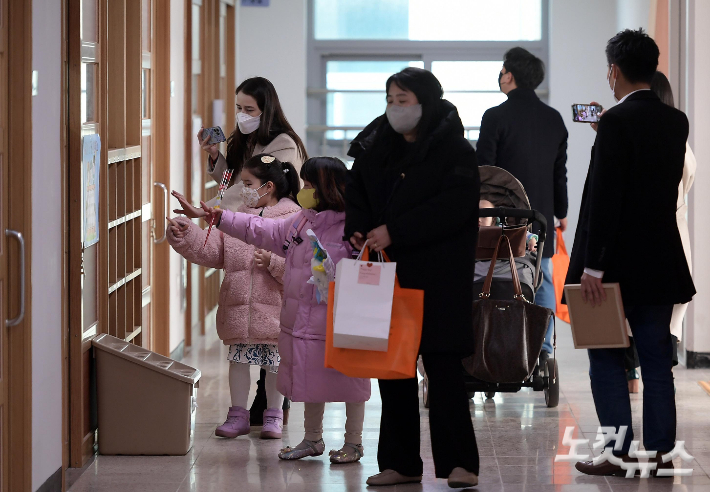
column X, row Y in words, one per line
column 502, row 189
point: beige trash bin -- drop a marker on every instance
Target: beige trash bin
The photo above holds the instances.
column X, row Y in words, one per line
column 146, row 402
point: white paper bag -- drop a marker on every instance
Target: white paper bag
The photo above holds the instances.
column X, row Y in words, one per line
column 362, row 310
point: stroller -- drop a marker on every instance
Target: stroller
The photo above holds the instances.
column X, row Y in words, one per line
column 513, row 210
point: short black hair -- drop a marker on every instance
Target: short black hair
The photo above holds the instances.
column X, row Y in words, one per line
column 635, row 53
column 527, row 69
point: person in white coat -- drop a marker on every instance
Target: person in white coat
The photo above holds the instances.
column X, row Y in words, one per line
column 662, row 88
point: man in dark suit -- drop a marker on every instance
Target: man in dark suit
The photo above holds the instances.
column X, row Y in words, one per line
column 630, row 194
column 528, row 138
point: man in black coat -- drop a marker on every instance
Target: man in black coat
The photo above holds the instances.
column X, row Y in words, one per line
column 630, row 194
column 528, row 138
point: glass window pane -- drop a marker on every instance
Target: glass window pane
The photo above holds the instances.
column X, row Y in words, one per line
column 89, row 21
column 88, row 92
column 425, row 20
column 357, row 109
column 458, row 77
column 146, row 27
column 468, row 75
column 196, row 10
column 145, row 88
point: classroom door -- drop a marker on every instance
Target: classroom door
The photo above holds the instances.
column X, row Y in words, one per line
column 5, row 311
column 15, row 245
column 115, row 245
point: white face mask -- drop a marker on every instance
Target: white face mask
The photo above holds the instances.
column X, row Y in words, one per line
column 248, row 123
column 251, row 196
column 404, row 119
column 612, row 87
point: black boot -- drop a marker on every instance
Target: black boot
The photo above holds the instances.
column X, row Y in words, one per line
column 256, row 412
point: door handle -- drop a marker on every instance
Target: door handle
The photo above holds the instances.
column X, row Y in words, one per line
column 165, row 211
column 17, row 235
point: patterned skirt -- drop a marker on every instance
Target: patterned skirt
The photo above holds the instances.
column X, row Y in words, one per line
column 256, row 354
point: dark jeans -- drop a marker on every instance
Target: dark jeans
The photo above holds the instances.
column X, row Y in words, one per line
column 650, row 326
column 453, row 441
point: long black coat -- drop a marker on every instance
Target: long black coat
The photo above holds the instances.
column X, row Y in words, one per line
column 627, row 224
column 427, row 195
column 528, row 138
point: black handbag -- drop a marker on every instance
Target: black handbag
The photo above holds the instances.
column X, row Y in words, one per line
column 508, row 334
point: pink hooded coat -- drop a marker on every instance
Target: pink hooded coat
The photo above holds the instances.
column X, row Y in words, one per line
column 250, row 298
column 302, row 374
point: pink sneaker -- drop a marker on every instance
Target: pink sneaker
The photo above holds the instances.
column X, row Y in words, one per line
column 273, row 423
column 237, row 423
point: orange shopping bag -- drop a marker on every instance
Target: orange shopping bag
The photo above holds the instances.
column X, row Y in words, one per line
column 560, row 265
column 400, row 359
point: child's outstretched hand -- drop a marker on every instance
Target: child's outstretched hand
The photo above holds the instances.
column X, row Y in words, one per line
column 187, row 209
column 212, row 215
column 176, row 229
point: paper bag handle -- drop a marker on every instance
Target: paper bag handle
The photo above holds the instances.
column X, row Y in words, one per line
column 365, row 256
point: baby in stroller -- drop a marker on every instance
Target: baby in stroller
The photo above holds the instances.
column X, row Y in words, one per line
column 531, row 240
column 501, row 191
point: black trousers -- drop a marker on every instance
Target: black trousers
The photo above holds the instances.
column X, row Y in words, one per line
column 453, row 441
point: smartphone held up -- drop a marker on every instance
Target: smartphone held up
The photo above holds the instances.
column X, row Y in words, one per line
column 215, row 133
column 586, row 113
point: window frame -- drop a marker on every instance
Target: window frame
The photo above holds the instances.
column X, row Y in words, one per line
column 320, row 51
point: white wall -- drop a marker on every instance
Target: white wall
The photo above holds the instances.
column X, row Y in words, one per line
column 632, row 14
column 271, row 43
column 177, row 159
column 697, row 333
column 577, row 72
column 46, row 245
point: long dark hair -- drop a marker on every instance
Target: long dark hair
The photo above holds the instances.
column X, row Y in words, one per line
column 327, row 175
column 662, row 88
column 282, row 174
column 273, row 123
column 428, row 90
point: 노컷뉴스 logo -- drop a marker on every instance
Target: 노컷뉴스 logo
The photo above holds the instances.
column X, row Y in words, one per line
column 605, row 435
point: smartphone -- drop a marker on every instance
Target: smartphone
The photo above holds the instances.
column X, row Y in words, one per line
column 216, row 134
column 586, row 113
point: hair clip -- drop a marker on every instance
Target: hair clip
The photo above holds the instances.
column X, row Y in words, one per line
column 267, row 159
column 285, row 170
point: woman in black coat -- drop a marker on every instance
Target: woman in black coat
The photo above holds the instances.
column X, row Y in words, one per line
column 413, row 191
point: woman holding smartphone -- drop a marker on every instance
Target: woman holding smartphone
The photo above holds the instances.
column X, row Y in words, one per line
column 262, row 128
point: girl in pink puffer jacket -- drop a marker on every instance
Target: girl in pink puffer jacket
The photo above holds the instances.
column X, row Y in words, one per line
column 302, row 373
column 250, row 298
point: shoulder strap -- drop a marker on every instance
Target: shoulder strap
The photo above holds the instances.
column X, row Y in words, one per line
column 295, row 234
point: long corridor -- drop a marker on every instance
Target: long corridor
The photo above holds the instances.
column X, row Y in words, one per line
column 518, row 438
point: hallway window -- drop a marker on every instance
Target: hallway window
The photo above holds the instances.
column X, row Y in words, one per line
column 424, row 20
column 355, row 45
column 472, row 86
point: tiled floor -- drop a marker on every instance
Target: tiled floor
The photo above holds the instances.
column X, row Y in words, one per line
column 518, row 437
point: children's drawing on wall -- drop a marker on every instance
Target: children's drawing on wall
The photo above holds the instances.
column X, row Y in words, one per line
column 90, row 168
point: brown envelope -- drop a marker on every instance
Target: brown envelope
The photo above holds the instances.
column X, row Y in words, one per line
column 600, row 326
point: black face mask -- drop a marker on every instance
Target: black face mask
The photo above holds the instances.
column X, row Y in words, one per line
column 500, row 76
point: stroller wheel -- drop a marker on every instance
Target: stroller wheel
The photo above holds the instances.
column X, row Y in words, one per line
column 425, row 392
column 552, row 391
column 490, row 394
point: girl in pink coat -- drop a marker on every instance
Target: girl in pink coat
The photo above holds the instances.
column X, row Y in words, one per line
column 302, row 373
column 250, row 298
